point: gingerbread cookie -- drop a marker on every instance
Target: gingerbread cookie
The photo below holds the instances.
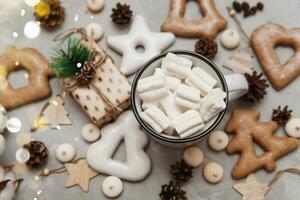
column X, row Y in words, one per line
column 37, row 66
column 247, row 129
column 209, row 26
column 264, row 41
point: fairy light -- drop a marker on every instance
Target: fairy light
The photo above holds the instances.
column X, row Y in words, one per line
column 32, row 2
column 22, row 12
column 15, row 34
column 32, row 29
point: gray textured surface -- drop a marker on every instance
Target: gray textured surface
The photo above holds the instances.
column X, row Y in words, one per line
column 283, row 12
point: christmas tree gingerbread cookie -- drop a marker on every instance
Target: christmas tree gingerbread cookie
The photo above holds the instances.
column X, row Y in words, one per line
column 137, row 165
column 247, row 128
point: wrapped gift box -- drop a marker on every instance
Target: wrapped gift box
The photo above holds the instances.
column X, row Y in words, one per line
column 107, row 95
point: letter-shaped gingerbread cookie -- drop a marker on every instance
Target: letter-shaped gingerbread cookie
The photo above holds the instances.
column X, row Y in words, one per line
column 264, row 40
column 247, row 129
column 209, row 26
column 37, row 66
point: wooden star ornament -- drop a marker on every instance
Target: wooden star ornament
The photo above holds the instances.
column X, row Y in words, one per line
column 79, row 174
column 252, row 189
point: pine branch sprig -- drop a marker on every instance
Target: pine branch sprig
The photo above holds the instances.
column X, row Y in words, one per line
column 69, row 60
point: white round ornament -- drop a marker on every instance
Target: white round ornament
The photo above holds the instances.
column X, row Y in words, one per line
column 95, row 5
column 90, row 132
column 213, row 172
column 13, row 125
column 65, row 152
column 22, row 155
column 218, row 140
column 112, row 186
column 292, row 127
column 230, row 39
column 193, row 156
column 94, row 31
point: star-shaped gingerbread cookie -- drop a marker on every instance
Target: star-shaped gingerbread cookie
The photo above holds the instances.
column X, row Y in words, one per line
column 140, row 36
column 252, row 189
column 79, row 174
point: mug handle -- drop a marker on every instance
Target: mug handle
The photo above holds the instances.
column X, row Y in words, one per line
column 237, row 85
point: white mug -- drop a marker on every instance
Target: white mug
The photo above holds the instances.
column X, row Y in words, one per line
column 235, row 86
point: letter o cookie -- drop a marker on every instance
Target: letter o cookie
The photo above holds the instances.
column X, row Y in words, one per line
column 39, row 72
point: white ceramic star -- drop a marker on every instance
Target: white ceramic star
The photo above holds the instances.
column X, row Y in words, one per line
column 139, row 36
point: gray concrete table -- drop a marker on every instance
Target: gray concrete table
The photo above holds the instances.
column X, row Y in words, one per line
column 15, row 13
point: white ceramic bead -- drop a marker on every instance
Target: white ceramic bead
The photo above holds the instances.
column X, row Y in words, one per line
column 292, row 127
column 65, row 152
column 230, row 39
column 94, row 31
column 218, row 140
column 213, row 172
column 90, row 132
column 22, row 155
column 193, row 156
column 13, row 125
column 112, row 186
column 95, row 5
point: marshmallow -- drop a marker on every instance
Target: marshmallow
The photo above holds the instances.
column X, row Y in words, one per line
column 171, row 81
column 147, row 104
column 176, row 66
column 156, row 118
column 152, row 87
column 201, row 80
column 188, row 123
column 169, row 107
column 187, row 96
column 212, row 104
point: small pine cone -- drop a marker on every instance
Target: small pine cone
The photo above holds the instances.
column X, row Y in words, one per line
column 121, row 14
column 172, row 192
column 257, row 87
column 86, row 74
column 56, row 15
column 181, row 172
column 206, row 47
column 38, row 153
column 281, row 116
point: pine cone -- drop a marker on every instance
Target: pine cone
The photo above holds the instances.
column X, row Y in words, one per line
column 181, row 172
column 281, row 116
column 121, row 14
column 86, row 74
column 172, row 192
column 257, row 87
column 38, row 153
column 206, row 47
column 55, row 17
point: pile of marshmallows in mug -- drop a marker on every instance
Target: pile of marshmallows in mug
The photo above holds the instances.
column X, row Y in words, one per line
column 178, row 99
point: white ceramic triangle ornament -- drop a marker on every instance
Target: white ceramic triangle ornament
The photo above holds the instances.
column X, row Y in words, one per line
column 153, row 43
column 137, row 164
